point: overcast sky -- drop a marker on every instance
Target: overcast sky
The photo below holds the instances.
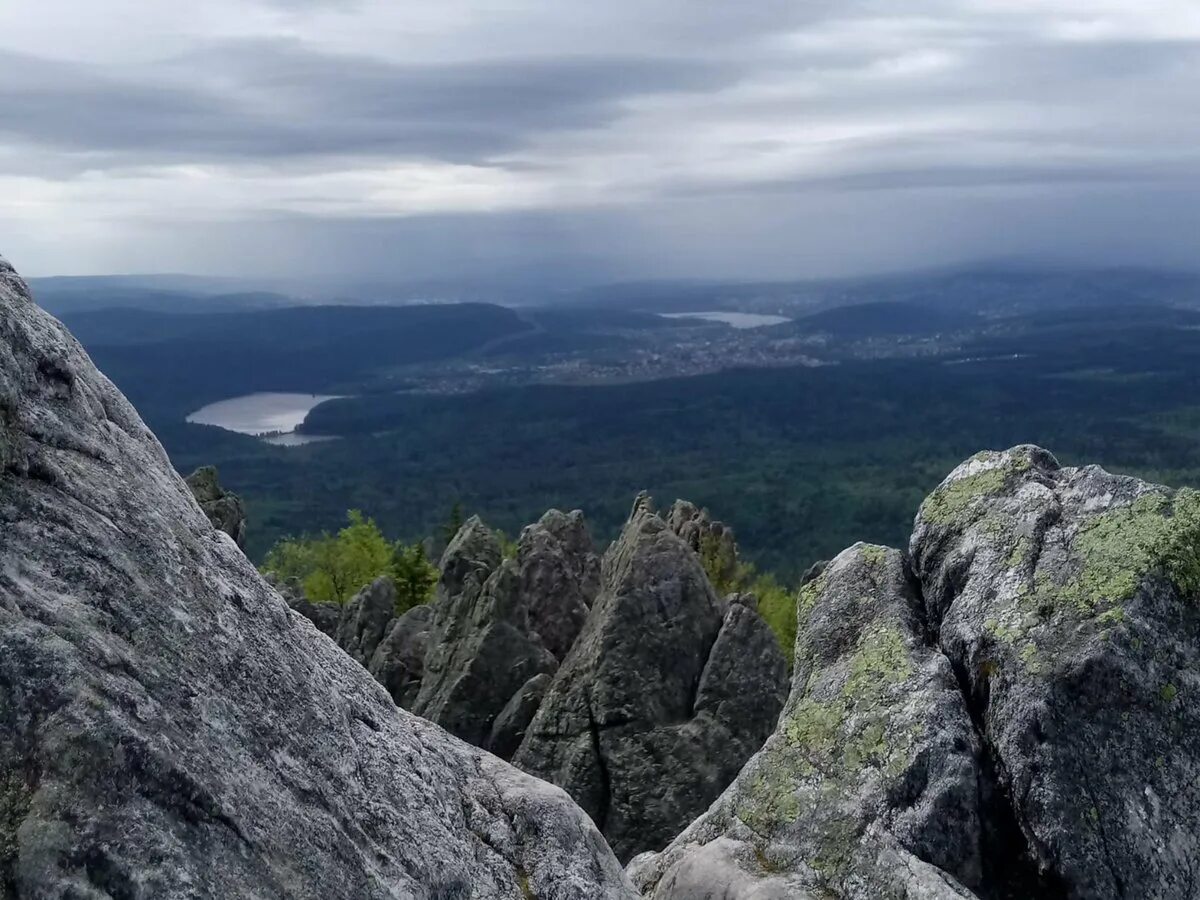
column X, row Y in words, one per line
column 574, row 139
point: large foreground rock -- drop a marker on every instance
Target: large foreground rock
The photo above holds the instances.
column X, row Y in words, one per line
column 1069, row 602
column 169, row 728
column 869, row 786
column 1011, row 712
column 662, row 699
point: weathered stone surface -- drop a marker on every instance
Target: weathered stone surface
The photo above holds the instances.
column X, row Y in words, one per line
column 1069, row 601
column 398, row 663
column 366, row 618
column 479, row 650
column 559, row 578
column 224, row 510
column 498, row 623
column 513, row 721
column 635, row 725
column 325, row 616
column 871, row 778
column 170, row 729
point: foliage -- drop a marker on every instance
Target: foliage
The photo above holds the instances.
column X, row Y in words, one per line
column 332, row 568
column 508, row 546
column 728, row 574
column 719, row 556
column 415, row 576
column 777, row 606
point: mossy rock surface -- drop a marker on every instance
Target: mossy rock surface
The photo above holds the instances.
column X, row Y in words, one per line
column 1069, row 599
column 874, row 715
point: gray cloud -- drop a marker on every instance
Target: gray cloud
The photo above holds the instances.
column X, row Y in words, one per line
column 281, row 99
column 630, row 138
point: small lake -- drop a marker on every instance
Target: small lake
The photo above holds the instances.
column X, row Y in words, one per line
column 735, row 319
column 271, row 416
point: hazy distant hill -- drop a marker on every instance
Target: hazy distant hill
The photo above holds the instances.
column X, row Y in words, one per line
column 993, row 290
column 66, row 296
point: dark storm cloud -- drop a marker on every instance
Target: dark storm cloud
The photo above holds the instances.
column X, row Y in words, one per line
column 671, row 137
column 281, row 99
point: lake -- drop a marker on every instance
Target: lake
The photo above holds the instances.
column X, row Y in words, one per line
column 271, row 416
column 734, row 319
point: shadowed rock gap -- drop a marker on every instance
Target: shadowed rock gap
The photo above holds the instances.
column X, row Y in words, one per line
column 1010, row 869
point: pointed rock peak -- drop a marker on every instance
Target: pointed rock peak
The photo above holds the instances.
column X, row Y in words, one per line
column 473, row 553
column 663, row 696
column 569, row 530
column 643, row 504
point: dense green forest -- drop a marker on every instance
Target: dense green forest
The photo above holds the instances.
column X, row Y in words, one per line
column 801, row 461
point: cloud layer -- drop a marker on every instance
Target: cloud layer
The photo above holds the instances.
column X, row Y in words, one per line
column 630, row 138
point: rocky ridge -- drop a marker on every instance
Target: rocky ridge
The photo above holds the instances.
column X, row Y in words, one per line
column 501, row 637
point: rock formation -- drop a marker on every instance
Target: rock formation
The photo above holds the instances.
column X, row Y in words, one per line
column 224, row 510
column 870, row 779
column 398, row 662
column 481, row 649
column 169, row 728
column 1011, row 711
column 1068, row 600
column 664, row 696
column 366, row 619
column 471, row 660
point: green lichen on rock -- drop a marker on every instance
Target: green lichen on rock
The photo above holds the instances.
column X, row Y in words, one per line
column 770, row 801
column 1117, row 550
column 953, row 499
column 835, row 849
column 873, row 554
column 839, row 736
column 809, row 594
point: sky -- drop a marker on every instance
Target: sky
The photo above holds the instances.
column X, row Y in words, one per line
column 570, row 140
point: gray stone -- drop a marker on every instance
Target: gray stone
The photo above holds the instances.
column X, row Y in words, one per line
column 497, row 623
column 479, row 650
column 224, row 509
column 635, row 725
column 1067, row 599
column 398, row 663
column 325, row 616
column 366, row 618
column 511, row 725
column 170, row 729
column 869, row 786
column 559, row 578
